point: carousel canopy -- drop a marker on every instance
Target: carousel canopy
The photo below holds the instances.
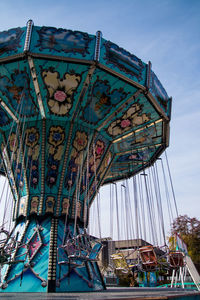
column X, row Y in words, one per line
column 76, row 81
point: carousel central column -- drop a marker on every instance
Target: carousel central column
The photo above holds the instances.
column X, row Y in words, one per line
column 53, row 192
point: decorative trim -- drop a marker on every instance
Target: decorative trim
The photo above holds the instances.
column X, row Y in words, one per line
column 43, row 165
column 123, row 77
column 157, row 106
column 49, row 204
column 36, row 86
column 83, row 91
column 61, row 58
column 148, row 78
column 98, row 45
column 52, row 256
column 23, row 206
column 170, row 108
column 166, row 133
column 64, row 169
column 36, row 249
column 2, row 103
column 12, row 58
column 28, row 35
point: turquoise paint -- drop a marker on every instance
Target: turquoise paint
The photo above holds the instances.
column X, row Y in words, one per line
column 92, row 117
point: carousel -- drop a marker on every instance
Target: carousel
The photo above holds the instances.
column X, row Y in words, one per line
column 76, row 112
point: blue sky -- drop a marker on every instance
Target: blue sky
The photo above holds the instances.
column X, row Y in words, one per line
column 166, row 32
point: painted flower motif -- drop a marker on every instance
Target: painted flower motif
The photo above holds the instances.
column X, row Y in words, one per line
column 61, row 91
column 54, row 167
column 132, row 156
column 70, row 182
column 99, row 148
column 13, row 142
column 125, row 123
column 56, row 136
column 132, row 118
column 65, row 205
column 35, row 180
column 60, row 96
column 80, row 141
column 21, row 184
column 52, row 179
column 32, row 136
column 34, row 204
column 17, row 92
column 50, row 204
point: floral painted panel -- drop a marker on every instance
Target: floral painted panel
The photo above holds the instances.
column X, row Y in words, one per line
column 60, row 91
column 56, row 141
column 76, row 158
column 105, row 95
column 17, row 91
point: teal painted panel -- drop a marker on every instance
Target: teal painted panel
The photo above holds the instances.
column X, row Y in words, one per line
column 29, row 284
column 84, row 276
column 62, row 42
column 78, row 147
column 12, row 41
column 17, row 90
column 5, row 120
column 133, row 116
column 122, row 61
column 105, row 95
column 35, row 256
column 159, row 93
column 56, row 143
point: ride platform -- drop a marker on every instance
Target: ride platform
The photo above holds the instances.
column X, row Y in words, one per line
column 112, row 293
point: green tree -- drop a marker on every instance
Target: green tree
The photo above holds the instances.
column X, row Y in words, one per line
column 189, row 231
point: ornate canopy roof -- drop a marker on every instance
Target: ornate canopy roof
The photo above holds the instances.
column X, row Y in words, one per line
column 75, row 80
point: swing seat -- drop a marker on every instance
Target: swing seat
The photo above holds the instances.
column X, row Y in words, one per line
column 68, row 255
column 119, row 261
column 6, row 258
column 148, row 258
column 176, row 259
column 76, row 251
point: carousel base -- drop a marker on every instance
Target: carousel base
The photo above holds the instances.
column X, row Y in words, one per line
column 40, row 264
column 111, row 293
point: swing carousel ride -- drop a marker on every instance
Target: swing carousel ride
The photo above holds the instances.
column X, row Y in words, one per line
column 76, row 112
